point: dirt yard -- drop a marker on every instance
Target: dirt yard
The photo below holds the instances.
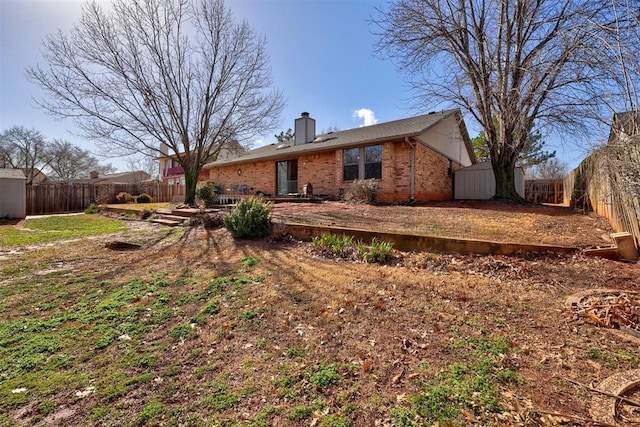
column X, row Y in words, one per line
column 492, row 221
column 300, row 340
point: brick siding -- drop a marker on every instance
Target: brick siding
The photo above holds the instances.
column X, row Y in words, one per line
column 324, row 172
column 257, row 176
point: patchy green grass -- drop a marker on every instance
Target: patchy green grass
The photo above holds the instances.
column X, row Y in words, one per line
column 473, row 386
column 63, row 333
column 53, row 228
column 249, row 261
column 197, row 329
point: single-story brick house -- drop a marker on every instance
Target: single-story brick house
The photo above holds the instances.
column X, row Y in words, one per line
column 410, row 159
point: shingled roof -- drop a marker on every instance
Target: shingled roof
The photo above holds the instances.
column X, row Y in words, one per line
column 12, row 174
column 625, row 123
column 388, row 131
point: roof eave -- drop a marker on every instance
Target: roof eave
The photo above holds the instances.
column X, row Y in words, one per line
column 287, row 155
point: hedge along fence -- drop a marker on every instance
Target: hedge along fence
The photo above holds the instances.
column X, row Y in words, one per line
column 608, row 183
column 76, row 197
column 106, row 193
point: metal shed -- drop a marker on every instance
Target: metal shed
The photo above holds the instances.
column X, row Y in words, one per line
column 13, row 194
column 477, row 182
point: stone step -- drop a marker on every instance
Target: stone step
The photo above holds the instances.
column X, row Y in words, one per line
column 168, row 222
column 186, row 212
column 173, row 217
column 183, row 212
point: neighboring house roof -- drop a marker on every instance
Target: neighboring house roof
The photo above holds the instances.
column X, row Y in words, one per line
column 396, row 130
column 124, row 177
column 12, row 174
column 35, row 174
column 113, row 178
column 228, row 149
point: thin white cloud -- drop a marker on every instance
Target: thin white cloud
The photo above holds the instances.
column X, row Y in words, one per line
column 366, row 115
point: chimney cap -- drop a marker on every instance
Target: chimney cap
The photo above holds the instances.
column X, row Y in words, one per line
column 304, row 114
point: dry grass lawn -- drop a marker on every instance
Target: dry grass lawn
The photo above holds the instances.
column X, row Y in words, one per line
column 198, row 329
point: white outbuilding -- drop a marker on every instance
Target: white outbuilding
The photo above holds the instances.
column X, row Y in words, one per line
column 13, row 194
column 477, row 182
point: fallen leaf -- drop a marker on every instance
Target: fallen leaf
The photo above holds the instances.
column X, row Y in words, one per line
column 396, row 379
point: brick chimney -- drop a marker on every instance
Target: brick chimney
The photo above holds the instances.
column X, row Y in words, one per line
column 93, row 175
column 305, row 129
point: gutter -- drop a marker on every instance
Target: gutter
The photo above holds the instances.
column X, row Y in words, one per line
column 313, row 148
column 412, row 171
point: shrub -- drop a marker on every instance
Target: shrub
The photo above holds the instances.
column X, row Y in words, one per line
column 205, row 193
column 211, row 220
column 361, row 192
column 144, row 198
column 145, row 213
column 249, row 219
column 92, row 209
column 123, row 197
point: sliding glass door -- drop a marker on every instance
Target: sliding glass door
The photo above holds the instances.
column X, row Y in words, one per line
column 286, row 177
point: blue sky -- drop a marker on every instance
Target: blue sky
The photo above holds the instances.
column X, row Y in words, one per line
column 322, row 56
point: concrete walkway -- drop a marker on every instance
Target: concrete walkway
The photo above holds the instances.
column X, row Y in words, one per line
column 48, row 215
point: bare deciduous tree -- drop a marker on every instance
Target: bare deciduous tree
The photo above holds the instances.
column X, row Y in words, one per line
column 146, row 72
column 615, row 166
column 68, row 161
column 509, row 63
column 551, row 168
column 145, row 162
column 25, row 149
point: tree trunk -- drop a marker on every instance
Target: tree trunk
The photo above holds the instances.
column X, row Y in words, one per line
column 190, row 184
column 504, row 173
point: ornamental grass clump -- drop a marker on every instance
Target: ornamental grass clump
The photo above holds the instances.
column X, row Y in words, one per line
column 251, row 218
column 378, row 252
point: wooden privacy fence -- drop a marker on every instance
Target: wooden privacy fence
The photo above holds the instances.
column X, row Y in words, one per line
column 76, row 197
column 58, row 198
column 544, row 191
column 596, row 185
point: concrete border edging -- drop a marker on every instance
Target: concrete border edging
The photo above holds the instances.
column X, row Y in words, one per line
column 421, row 243
column 605, row 408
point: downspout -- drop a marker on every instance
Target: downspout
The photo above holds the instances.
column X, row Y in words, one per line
column 412, row 171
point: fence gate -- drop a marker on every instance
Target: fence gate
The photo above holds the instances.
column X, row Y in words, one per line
column 544, row 191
